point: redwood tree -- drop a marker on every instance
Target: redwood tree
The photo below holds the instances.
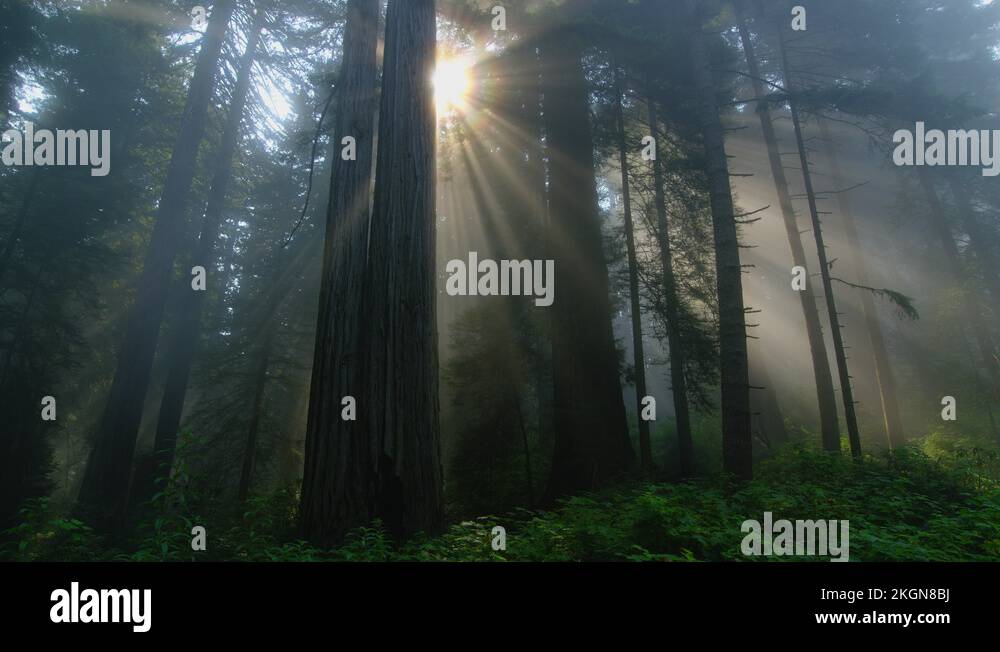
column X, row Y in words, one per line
column 638, row 356
column 185, row 337
column 104, row 489
column 736, row 432
column 678, row 356
column 590, row 430
column 335, row 489
column 398, row 392
column 826, row 399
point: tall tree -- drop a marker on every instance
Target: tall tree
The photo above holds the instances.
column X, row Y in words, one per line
column 840, row 353
column 256, row 410
column 185, row 336
column 335, row 485
column 638, row 356
column 104, row 490
column 892, row 421
column 736, row 431
column 678, row 355
column 398, row 394
column 829, row 426
column 591, row 443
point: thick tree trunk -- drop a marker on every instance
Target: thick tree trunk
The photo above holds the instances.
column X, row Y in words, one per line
column 185, row 337
column 104, row 490
column 336, row 494
column 398, row 400
column 678, row 357
column 638, row 356
column 591, row 443
column 736, row 432
column 826, row 398
column 892, row 421
column 846, row 392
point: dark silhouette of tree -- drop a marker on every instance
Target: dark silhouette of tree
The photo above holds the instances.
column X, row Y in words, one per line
column 829, row 427
column 335, row 490
column 638, row 357
column 736, row 433
column 591, row 443
column 184, row 341
column 398, row 393
column 104, row 491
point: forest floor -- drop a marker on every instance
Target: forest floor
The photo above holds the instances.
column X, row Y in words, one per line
column 900, row 506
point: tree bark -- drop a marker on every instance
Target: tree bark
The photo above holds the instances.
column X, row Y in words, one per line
column 826, row 399
column 846, row 392
column 892, row 421
column 398, row 399
column 591, row 443
column 638, row 356
column 736, row 431
column 104, row 489
column 678, row 357
column 335, row 486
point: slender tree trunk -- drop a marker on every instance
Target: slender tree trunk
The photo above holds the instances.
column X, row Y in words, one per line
column 218, row 312
column 335, row 486
column 847, row 394
column 185, row 337
column 399, row 389
column 826, row 398
column 591, row 443
column 770, row 424
column 892, row 421
column 104, row 490
column 736, row 432
column 638, row 356
column 678, row 357
column 257, row 407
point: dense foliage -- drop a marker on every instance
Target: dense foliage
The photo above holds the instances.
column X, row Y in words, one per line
column 902, row 506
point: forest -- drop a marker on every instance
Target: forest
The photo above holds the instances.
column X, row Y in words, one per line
column 488, row 280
